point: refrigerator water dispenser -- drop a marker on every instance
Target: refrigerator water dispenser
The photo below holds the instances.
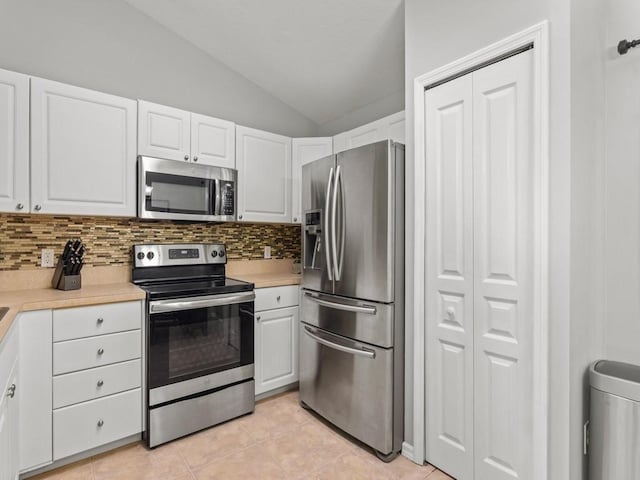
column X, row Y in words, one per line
column 313, row 239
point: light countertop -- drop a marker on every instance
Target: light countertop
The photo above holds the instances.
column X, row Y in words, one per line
column 50, row 298
column 263, row 280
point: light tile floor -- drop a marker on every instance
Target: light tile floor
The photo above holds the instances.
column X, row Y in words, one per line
column 280, row 440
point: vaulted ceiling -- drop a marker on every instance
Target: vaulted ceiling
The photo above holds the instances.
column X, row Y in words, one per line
column 324, row 58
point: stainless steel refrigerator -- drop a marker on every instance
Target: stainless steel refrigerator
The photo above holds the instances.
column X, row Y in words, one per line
column 352, row 314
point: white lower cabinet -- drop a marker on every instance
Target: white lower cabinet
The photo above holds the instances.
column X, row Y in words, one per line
column 276, row 340
column 90, row 424
column 78, row 393
column 10, row 392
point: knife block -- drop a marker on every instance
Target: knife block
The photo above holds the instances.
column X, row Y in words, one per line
column 65, row 282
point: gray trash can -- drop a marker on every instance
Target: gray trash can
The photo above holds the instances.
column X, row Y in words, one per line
column 614, row 445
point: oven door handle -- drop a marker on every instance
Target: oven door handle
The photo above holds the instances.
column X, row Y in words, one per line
column 162, row 306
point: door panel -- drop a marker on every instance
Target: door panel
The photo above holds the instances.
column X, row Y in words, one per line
column 503, row 256
column 163, row 132
column 365, row 194
column 83, row 153
column 449, row 282
column 14, row 142
column 315, row 235
column 264, row 176
column 213, row 141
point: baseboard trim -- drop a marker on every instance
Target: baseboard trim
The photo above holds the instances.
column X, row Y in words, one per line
column 407, row 451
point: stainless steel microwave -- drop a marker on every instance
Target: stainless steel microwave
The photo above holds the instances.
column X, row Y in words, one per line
column 168, row 189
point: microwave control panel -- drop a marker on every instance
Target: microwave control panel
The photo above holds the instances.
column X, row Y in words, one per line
column 227, row 190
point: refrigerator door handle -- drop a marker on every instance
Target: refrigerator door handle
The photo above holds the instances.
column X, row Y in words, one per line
column 334, row 242
column 365, row 352
column 341, row 306
column 326, row 225
column 343, row 229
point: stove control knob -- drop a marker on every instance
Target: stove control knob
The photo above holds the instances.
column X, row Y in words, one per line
column 140, row 255
column 221, row 253
column 150, row 255
column 214, row 254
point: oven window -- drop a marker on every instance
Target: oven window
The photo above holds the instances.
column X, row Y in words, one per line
column 191, row 343
column 178, row 194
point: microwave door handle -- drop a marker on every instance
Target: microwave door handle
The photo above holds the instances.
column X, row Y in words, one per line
column 217, row 198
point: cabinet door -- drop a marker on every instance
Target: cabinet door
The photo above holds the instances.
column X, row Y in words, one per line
column 9, row 405
column 449, row 279
column 305, row 150
column 14, row 142
column 163, row 132
column 276, row 348
column 83, row 151
column 213, row 141
column 264, row 176
column 35, row 388
column 390, row 127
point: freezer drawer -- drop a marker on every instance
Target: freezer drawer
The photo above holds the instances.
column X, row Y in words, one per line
column 368, row 322
column 351, row 385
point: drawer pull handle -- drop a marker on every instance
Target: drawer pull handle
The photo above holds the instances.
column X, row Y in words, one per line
column 100, row 383
column 278, row 298
column 100, row 321
column 100, row 351
column 100, row 423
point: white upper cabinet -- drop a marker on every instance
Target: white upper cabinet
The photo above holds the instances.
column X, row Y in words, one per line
column 213, row 141
column 391, row 127
column 163, row 132
column 83, row 151
column 305, row 150
column 14, row 142
column 263, row 161
column 167, row 132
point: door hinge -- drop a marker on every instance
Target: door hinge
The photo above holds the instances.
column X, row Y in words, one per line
column 585, row 437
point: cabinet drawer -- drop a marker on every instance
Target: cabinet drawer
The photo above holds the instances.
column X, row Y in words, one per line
column 80, row 322
column 91, row 424
column 74, row 355
column 96, row 383
column 276, row 297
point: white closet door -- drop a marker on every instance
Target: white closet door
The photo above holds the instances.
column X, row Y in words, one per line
column 449, row 280
column 503, row 269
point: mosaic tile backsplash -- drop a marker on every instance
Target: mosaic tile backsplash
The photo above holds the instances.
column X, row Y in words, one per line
column 109, row 239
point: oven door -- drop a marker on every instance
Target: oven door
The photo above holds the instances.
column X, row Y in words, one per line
column 198, row 344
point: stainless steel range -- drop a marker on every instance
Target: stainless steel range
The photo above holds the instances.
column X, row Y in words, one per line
column 199, row 339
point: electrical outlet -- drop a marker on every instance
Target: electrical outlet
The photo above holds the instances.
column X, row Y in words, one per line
column 47, row 259
column 267, row 252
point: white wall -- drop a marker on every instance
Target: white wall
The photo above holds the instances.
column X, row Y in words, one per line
column 367, row 114
column 439, row 32
column 622, row 186
column 109, row 46
column 588, row 50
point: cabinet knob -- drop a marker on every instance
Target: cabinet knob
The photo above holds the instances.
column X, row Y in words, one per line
column 37, row 208
column 240, row 217
column 100, row 383
column 195, row 159
column 278, row 298
column 11, row 391
column 295, row 219
column 100, row 423
column 20, row 206
column 100, row 351
column 258, row 317
column 186, row 158
column 100, row 321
